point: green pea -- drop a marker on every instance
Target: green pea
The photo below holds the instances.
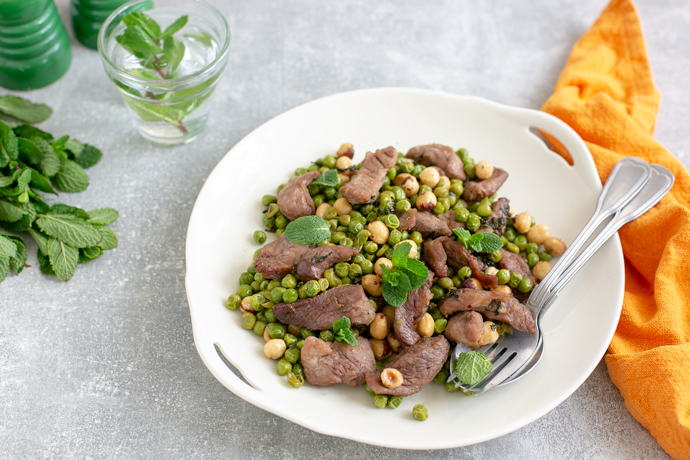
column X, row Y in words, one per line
column 439, row 208
column 299, row 344
column 532, row 259
column 382, row 250
column 391, row 221
column 445, row 283
column 256, row 301
column 244, row 290
column 545, row 256
column 292, row 355
column 457, row 188
column 281, row 221
column 437, row 292
column 394, row 237
column 323, row 284
column 512, row 247
column 417, row 170
column 246, row 278
column 424, row 189
column 259, row 327
column 473, row 222
column 392, row 173
column 233, row 302
column 380, row 401
column 355, row 271
column 306, row 332
column 258, row 277
column 297, row 369
column 302, row 292
column 288, row 282
column 462, row 153
column 386, row 207
column 329, row 161
column 268, row 221
column 525, row 285
column 277, row 294
column 367, row 266
column 515, row 279
column 330, row 213
column 496, row 256
column 268, row 199
column 510, row 234
column 531, row 248
column 440, row 325
column 327, row 336
column 337, row 237
column 413, row 199
column 420, row 413
column 464, row 273
column 468, row 161
column 290, row 340
column 469, row 171
column 366, row 209
column 345, row 219
column 369, row 390
column 394, row 401
column 372, row 216
column 312, row 288
column 347, row 242
column 270, row 316
column 441, row 192
column 416, row 237
column 342, row 269
column 442, row 376
column 435, row 313
column 406, row 167
column 331, row 277
column 398, row 193
column 503, row 276
column 290, row 296
column 248, row 320
column 345, row 280
column 461, row 215
column 456, row 281
column 276, row 331
column 450, row 387
column 251, row 269
column 484, row 210
column 264, row 286
column 329, row 193
column 473, row 207
column 295, row 380
column 284, row 366
column 256, row 286
column 521, row 242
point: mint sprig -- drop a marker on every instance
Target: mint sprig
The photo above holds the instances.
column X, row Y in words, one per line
column 328, row 178
column 472, row 366
column 406, row 275
column 342, row 331
column 308, row 230
column 23, row 110
column 479, row 242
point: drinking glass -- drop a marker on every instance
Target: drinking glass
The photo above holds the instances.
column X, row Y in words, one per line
column 168, row 110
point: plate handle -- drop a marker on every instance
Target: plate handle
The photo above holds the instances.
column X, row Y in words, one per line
column 209, row 354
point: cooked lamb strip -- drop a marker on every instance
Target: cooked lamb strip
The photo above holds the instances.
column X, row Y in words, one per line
column 435, row 256
column 500, row 213
column 409, row 313
column 294, row 199
column 326, row 363
column 280, row 258
column 418, row 365
column 407, row 220
column 459, row 256
column 365, row 184
column 493, row 305
column 466, row 327
column 317, row 260
column 431, row 226
column 441, row 156
column 476, row 190
column 514, row 263
column 320, row 312
column 449, row 217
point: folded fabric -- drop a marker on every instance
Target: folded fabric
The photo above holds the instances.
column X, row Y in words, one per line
column 606, row 94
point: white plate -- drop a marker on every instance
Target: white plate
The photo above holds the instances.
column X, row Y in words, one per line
column 228, row 210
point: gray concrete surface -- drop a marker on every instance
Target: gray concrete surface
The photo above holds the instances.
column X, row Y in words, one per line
column 104, row 366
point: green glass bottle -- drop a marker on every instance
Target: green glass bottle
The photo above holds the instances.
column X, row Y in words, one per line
column 34, row 45
column 87, row 17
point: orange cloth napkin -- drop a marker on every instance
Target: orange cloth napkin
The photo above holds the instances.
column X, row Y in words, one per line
column 606, row 94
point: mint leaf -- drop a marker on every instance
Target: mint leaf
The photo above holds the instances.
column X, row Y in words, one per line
column 174, row 27
column 50, row 165
column 10, row 212
column 17, row 262
column 40, row 182
column 474, row 244
column 393, row 295
column 69, row 229
column 29, row 152
column 342, row 331
column 308, row 230
column 472, row 366
column 88, row 157
column 44, row 264
column 41, row 240
column 8, row 248
column 109, row 240
column 4, row 268
column 148, row 111
column 75, row 147
column 148, row 25
column 24, row 110
column 89, row 254
column 63, row 258
column 8, row 180
column 103, row 216
column 328, row 178
column 8, row 141
column 29, row 132
column 71, row 178
column 489, row 242
column 137, row 41
column 401, row 254
column 342, row 323
column 463, row 235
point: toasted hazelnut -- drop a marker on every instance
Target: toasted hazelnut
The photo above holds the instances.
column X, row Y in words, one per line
column 555, row 246
column 472, row 283
column 246, row 305
column 490, row 333
column 491, row 271
column 343, row 163
column 382, row 261
column 393, row 341
column 391, row 378
column 484, row 170
column 381, row 349
column 379, row 327
column 426, row 201
column 389, row 311
column 503, row 289
column 275, row 348
column 346, row 150
column 372, row 284
column 425, row 326
column 522, row 222
column 321, row 210
column 413, row 251
column 541, row 269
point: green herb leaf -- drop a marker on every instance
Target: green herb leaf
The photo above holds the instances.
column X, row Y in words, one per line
column 71, row 178
column 89, row 254
column 75, row 147
column 44, row 264
column 472, row 366
column 9, row 180
column 109, row 240
column 88, row 157
column 479, row 242
column 417, row 272
column 17, row 262
column 29, row 132
column 8, row 144
column 328, row 178
column 308, row 230
column 103, row 216
column 4, row 268
column 342, row 331
column 150, row 112
column 24, row 110
column 393, row 295
column 137, row 41
column 401, row 255
column 11, row 212
column 69, row 229
column 41, row 240
column 8, row 248
column 40, row 182
column 174, row 27
column 63, row 258
column 29, row 152
column 59, row 208
column 144, row 21
column 50, row 165
column 408, row 274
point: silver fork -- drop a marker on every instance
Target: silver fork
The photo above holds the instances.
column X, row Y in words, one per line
column 511, row 352
column 659, row 184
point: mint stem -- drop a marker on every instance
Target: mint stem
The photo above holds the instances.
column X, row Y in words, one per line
column 180, row 125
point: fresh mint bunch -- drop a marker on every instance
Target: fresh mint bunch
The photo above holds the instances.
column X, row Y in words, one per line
column 472, row 366
column 157, row 50
column 479, row 242
column 342, row 331
column 33, row 162
column 308, row 230
column 406, row 275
